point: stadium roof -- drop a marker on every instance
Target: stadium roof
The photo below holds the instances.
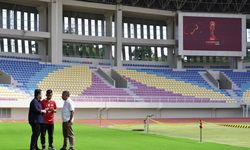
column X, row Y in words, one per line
column 223, row 6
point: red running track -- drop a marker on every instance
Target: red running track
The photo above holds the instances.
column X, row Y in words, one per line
column 108, row 122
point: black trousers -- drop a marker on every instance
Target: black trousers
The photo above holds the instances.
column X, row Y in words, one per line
column 44, row 129
column 36, row 127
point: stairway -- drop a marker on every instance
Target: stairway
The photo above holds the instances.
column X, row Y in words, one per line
column 204, row 76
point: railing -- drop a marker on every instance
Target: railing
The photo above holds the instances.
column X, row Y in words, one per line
column 149, row 99
column 7, row 99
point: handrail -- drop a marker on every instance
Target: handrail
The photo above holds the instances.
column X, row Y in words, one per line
column 149, row 99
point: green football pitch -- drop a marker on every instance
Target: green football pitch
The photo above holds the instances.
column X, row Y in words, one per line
column 16, row 136
column 212, row 132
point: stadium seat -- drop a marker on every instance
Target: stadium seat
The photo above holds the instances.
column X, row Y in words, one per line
column 169, row 84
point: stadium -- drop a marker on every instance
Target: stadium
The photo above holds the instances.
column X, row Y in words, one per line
column 171, row 62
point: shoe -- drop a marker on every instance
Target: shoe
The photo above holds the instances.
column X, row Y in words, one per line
column 63, row 149
column 71, row 148
column 52, row 148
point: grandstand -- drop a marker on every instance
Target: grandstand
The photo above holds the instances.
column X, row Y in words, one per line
column 127, row 59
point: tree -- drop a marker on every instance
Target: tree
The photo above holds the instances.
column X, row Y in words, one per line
column 101, row 52
column 143, row 53
column 69, row 30
column 66, row 49
column 82, row 50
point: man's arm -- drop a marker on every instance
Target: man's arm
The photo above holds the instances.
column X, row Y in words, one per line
column 37, row 109
column 55, row 108
column 72, row 109
column 71, row 116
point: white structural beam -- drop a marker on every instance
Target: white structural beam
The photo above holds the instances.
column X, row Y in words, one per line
column 47, row 1
column 11, row 33
column 42, row 44
column 148, row 42
column 118, row 33
column 32, row 3
column 88, row 6
column 248, row 17
column 129, row 11
column 88, row 39
column 42, row 11
column 56, row 13
column 170, row 35
column 147, row 13
column 248, row 45
column 108, row 47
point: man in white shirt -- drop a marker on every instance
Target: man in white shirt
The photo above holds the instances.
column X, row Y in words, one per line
column 67, row 118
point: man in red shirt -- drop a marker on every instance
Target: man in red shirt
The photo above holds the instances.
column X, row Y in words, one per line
column 50, row 106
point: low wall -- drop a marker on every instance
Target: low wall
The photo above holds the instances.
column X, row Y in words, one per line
column 131, row 113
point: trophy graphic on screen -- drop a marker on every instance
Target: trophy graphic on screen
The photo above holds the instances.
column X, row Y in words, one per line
column 212, row 40
column 212, row 31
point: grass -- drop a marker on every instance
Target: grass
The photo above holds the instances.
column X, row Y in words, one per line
column 214, row 133
column 16, row 136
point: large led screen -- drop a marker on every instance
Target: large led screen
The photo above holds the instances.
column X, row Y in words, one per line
column 206, row 33
column 216, row 35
